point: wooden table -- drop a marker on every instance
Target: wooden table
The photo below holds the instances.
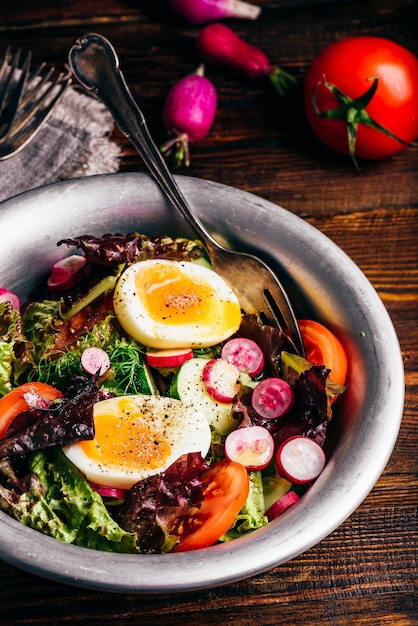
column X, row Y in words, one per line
column 365, row 572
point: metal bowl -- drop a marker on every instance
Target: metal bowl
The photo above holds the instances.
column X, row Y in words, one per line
column 323, row 283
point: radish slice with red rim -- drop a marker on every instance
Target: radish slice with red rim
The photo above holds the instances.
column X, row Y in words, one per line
column 168, row 358
column 221, row 380
column 8, row 296
column 272, row 398
column 289, row 499
column 95, row 360
column 300, row 459
column 252, row 446
column 245, row 354
column 66, row 273
column 114, row 493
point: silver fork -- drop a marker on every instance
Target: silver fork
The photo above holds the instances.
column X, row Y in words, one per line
column 94, row 62
column 27, row 99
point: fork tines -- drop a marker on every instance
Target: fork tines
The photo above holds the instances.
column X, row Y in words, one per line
column 26, row 99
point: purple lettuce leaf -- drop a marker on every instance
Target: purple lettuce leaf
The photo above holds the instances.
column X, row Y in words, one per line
column 113, row 250
column 152, row 505
column 66, row 421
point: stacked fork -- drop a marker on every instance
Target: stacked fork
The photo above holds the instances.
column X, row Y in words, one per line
column 27, row 99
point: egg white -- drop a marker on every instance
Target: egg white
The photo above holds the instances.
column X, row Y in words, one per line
column 212, row 316
column 179, row 425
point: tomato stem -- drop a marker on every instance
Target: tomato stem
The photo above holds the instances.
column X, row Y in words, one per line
column 353, row 113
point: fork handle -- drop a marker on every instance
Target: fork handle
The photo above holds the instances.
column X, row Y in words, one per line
column 95, row 63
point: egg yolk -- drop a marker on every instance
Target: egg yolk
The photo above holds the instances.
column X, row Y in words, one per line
column 171, row 297
column 166, row 304
column 123, row 442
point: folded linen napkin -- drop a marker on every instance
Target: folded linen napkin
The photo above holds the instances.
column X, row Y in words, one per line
column 74, row 142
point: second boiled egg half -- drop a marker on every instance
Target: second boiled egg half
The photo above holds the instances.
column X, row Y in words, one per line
column 137, row 437
column 167, row 304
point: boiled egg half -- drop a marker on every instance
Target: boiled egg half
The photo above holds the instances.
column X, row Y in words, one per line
column 175, row 304
column 136, row 437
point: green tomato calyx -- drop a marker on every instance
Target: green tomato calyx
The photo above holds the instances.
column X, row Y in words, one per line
column 353, row 112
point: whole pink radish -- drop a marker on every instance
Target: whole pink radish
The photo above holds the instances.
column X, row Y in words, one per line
column 202, row 11
column 189, row 111
column 219, row 45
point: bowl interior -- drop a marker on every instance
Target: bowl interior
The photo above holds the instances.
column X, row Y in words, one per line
column 323, row 283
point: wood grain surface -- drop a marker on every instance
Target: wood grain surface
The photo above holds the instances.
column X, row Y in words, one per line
column 365, row 572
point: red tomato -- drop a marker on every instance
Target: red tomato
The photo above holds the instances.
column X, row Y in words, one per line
column 351, row 65
column 14, row 402
column 226, row 491
column 323, row 348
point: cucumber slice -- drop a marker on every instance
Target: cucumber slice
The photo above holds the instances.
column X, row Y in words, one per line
column 146, row 382
column 274, row 488
column 188, row 386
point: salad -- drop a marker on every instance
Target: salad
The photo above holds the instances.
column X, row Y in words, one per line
column 142, row 411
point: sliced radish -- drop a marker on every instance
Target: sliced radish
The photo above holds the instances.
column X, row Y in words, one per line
column 66, row 273
column 252, row 446
column 8, row 296
column 300, row 459
column 289, row 499
column 272, row 397
column 95, row 360
column 245, row 354
column 221, row 380
column 109, row 492
column 168, row 358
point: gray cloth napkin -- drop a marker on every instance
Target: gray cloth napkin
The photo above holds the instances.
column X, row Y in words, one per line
column 74, row 142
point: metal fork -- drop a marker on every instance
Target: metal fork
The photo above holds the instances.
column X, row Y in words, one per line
column 94, row 62
column 27, row 99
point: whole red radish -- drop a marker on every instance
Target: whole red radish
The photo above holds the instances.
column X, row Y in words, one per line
column 202, row 11
column 188, row 115
column 221, row 46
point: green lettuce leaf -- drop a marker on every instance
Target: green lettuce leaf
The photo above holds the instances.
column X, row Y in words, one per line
column 7, row 357
column 57, row 500
column 15, row 350
column 40, row 324
column 80, row 507
column 251, row 515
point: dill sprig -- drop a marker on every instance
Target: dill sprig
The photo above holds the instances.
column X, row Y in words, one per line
column 130, row 374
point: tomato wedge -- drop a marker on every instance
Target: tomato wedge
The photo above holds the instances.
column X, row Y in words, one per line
column 14, row 402
column 323, row 348
column 226, row 491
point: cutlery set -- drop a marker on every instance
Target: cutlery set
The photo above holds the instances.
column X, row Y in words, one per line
column 27, row 99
